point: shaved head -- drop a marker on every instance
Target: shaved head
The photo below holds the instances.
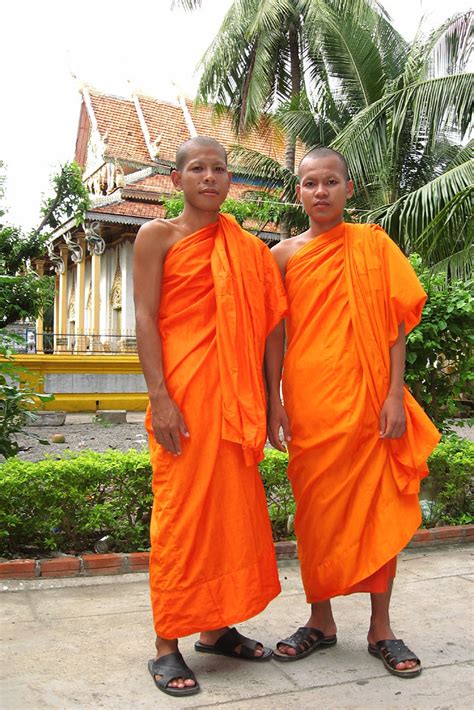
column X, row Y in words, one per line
column 184, row 150
column 323, row 152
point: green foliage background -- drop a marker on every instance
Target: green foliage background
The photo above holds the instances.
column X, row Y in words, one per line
column 68, row 503
column 439, row 350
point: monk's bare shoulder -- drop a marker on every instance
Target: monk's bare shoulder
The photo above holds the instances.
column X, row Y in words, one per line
column 155, row 237
column 285, row 249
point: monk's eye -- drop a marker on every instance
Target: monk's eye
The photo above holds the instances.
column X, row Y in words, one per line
column 332, row 182
column 308, row 184
column 219, row 169
column 196, row 168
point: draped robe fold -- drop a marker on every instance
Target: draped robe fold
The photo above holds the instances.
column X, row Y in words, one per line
column 212, row 561
column 349, row 289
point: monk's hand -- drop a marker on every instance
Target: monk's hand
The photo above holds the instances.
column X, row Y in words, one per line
column 168, row 424
column 277, row 420
column 392, row 417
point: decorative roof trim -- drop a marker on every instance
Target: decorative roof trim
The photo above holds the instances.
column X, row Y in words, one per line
column 116, row 218
column 87, row 100
column 187, row 116
column 143, row 126
column 139, row 175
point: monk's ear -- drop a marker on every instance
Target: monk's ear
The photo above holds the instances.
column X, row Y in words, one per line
column 298, row 192
column 176, row 179
column 350, row 189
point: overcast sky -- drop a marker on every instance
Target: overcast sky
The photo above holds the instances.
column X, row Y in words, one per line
column 111, row 45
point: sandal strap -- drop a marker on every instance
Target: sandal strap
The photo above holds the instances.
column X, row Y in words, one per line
column 170, row 667
column 229, row 641
column 395, row 651
column 303, row 637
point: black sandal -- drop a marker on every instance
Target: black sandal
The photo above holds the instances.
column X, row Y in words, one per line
column 225, row 645
column 170, row 667
column 305, row 641
column 392, row 652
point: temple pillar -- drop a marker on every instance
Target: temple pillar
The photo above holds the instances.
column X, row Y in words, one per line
column 62, row 338
column 95, row 301
column 39, row 319
column 80, row 297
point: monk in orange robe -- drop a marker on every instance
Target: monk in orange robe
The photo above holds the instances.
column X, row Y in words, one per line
column 207, row 294
column 358, row 441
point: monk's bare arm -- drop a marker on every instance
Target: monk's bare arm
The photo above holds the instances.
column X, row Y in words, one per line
column 150, row 249
column 274, row 351
column 392, row 416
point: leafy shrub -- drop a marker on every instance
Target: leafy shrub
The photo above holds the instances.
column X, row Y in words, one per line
column 17, row 400
column 281, row 505
column 439, row 350
column 450, row 483
column 68, row 503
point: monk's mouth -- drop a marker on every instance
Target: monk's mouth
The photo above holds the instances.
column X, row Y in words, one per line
column 209, row 192
column 321, row 204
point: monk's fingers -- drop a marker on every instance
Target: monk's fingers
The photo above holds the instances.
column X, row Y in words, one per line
column 182, row 427
column 174, row 433
column 274, row 438
column 285, row 425
column 166, row 439
column 383, row 424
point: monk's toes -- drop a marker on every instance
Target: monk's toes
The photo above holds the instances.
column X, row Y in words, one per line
column 288, row 650
column 259, row 650
column 189, row 683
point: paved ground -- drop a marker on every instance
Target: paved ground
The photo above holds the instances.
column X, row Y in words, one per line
column 85, row 644
column 82, row 432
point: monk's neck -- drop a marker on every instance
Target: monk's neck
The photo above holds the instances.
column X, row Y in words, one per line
column 316, row 228
column 194, row 220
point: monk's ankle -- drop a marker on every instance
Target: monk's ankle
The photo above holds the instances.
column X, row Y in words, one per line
column 379, row 631
column 165, row 646
column 210, row 637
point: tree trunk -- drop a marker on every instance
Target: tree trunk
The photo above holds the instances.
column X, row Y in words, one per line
column 290, row 148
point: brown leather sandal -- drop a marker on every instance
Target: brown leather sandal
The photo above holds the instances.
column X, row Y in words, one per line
column 392, row 652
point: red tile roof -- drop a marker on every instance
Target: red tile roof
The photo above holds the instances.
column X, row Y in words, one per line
column 132, row 209
column 118, row 124
column 118, row 121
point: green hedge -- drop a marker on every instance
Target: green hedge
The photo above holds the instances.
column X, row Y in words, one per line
column 68, row 503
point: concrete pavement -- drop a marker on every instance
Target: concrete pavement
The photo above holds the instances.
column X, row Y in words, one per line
column 84, row 643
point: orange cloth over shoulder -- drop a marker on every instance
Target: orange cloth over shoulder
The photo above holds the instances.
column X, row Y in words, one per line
column 212, row 562
column 356, row 494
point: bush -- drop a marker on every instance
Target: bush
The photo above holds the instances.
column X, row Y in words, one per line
column 450, row 482
column 281, row 504
column 439, row 350
column 17, row 400
column 67, row 504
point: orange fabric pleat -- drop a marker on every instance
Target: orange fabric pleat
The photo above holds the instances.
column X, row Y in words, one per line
column 212, row 561
column 356, row 495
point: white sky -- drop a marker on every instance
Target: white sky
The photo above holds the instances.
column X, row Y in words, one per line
column 106, row 44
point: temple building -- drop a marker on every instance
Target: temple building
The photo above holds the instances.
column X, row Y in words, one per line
column 126, row 147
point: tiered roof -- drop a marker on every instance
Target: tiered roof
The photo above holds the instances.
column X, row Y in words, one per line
column 143, row 132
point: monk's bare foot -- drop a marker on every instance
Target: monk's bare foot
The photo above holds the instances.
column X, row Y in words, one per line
column 163, row 648
column 381, row 631
column 211, row 637
column 321, row 618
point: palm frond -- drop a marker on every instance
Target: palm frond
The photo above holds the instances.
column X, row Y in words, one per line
column 457, row 265
column 186, row 4
column 449, row 47
column 351, row 57
column 263, row 168
column 440, row 207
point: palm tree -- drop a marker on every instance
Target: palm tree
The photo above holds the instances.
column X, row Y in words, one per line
column 402, row 129
column 264, row 56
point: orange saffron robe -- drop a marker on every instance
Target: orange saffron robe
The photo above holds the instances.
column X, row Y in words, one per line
column 356, row 494
column 212, row 560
